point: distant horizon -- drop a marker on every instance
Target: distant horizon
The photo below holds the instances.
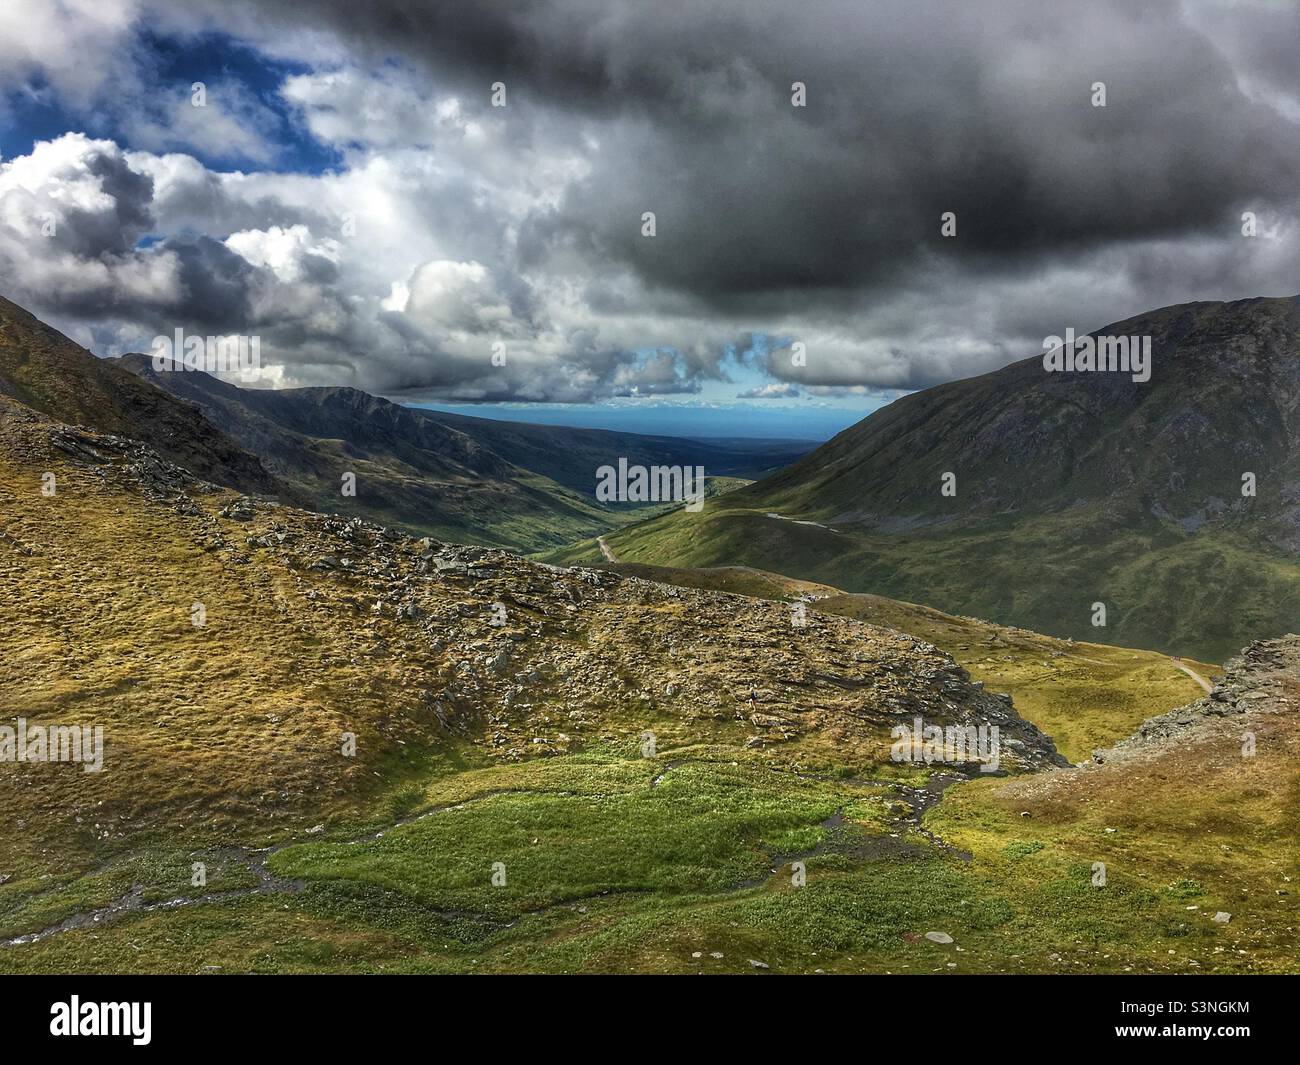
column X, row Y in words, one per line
column 443, row 534
column 816, row 425
column 808, row 421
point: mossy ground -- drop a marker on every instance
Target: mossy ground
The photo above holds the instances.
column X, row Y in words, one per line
column 607, row 872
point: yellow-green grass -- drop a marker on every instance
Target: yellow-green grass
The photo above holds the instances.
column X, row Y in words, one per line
column 220, row 730
column 1083, row 695
column 703, row 828
column 1183, row 833
column 223, row 739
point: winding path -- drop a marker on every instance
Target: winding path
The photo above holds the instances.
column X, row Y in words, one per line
column 798, row 521
column 1196, row 677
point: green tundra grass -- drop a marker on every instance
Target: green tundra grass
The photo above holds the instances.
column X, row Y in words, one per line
column 613, row 861
column 607, row 871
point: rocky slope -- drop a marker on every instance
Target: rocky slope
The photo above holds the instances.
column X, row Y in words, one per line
column 1082, row 694
column 1261, row 686
column 315, row 625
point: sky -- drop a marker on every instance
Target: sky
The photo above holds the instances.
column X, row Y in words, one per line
column 446, row 203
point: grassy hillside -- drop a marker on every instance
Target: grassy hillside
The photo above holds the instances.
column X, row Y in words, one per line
column 1205, row 597
column 1190, row 825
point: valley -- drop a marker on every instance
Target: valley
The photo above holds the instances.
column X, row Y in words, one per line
column 473, row 480
column 329, row 744
column 594, row 488
column 522, row 745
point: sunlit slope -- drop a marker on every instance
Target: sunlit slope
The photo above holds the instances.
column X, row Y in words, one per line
column 231, row 649
column 619, row 777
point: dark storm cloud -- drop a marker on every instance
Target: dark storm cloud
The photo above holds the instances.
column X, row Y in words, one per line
column 87, row 233
column 1259, row 37
column 816, row 225
column 216, row 283
column 913, row 109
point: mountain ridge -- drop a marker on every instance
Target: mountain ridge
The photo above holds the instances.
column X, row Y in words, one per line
column 1070, row 489
column 651, row 764
column 503, row 484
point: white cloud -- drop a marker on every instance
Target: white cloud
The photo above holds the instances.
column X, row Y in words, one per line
column 393, row 276
column 78, row 48
column 774, row 390
column 284, row 251
column 70, row 213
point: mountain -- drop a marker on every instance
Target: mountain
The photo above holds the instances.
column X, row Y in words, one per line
column 1071, row 489
column 473, row 480
column 331, row 747
column 229, row 646
column 44, row 370
column 315, row 743
column 296, row 445
column 410, row 471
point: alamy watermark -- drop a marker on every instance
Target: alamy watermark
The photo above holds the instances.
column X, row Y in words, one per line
column 1113, row 354
column 654, row 484
column 55, row 743
column 233, row 354
column 955, row 744
column 77, row 1018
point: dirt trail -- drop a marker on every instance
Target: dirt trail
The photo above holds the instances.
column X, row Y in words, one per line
column 1196, row 677
column 606, row 550
column 797, row 521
